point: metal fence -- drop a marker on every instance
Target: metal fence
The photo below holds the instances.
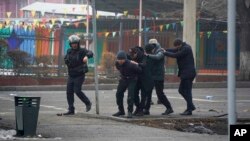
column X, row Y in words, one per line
column 39, row 51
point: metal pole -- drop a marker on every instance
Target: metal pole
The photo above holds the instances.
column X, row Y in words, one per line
column 96, row 56
column 87, row 25
column 145, row 34
column 120, row 37
column 60, row 51
column 231, row 25
column 16, row 10
column 140, row 22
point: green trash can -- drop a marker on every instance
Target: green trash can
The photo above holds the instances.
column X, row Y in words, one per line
column 26, row 110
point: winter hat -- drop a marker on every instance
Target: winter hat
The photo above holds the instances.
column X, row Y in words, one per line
column 121, row 55
column 153, row 41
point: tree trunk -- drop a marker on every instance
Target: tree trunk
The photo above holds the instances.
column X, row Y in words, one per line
column 243, row 11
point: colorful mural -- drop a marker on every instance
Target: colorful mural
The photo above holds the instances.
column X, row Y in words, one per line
column 42, row 41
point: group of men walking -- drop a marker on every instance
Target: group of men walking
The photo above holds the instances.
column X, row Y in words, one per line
column 142, row 69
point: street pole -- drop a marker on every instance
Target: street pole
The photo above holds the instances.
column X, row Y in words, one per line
column 189, row 27
column 140, row 22
column 95, row 56
column 231, row 25
column 87, row 26
column 120, row 37
column 16, row 10
column 61, row 48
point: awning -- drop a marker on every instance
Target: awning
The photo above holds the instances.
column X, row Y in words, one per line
column 153, row 7
column 70, row 9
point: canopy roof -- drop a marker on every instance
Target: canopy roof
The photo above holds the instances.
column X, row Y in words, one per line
column 71, row 9
column 216, row 9
column 153, row 7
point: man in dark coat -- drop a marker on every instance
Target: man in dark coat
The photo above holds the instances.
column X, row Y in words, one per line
column 185, row 60
column 144, row 83
column 129, row 74
column 76, row 61
column 158, row 73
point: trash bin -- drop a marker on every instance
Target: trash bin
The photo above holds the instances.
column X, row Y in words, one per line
column 26, row 110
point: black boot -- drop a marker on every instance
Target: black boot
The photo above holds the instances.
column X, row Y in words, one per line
column 168, row 111
column 119, row 113
column 69, row 113
column 129, row 115
column 186, row 113
column 139, row 113
column 88, row 107
column 146, row 112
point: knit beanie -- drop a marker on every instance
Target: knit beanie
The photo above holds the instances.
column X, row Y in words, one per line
column 121, row 55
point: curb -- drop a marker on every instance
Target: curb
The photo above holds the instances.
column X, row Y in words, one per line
column 240, row 84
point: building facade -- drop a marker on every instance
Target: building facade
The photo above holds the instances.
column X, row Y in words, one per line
column 14, row 6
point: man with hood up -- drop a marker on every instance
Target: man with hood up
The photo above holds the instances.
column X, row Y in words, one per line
column 76, row 61
column 144, row 83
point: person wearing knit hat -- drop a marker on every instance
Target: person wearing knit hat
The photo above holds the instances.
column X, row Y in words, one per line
column 153, row 41
column 158, row 74
column 129, row 74
column 121, row 55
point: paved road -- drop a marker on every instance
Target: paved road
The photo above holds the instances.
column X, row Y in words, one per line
column 88, row 126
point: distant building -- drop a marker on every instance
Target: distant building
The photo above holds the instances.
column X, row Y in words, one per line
column 14, row 6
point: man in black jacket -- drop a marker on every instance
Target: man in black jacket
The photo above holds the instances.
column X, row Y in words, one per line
column 185, row 60
column 76, row 61
column 144, row 83
column 158, row 73
column 129, row 74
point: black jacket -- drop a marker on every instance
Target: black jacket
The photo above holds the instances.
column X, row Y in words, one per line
column 146, row 64
column 185, row 60
column 158, row 59
column 128, row 70
column 74, row 61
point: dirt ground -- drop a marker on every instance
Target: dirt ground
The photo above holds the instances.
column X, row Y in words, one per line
column 196, row 125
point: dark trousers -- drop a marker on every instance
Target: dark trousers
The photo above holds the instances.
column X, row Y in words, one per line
column 185, row 89
column 122, row 86
column 74, row 85
column 148, row 99
column 140, row 102
column 159, row 86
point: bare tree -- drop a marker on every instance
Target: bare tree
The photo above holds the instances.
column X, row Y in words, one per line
column 243, row 11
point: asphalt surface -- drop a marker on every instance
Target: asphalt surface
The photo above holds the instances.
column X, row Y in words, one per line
column 89, row 126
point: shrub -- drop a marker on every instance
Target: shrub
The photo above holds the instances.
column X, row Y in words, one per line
column 108, row 62
column 20, row 60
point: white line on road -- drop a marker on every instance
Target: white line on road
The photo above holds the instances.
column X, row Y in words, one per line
column 205, row 100
column 45, row 106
